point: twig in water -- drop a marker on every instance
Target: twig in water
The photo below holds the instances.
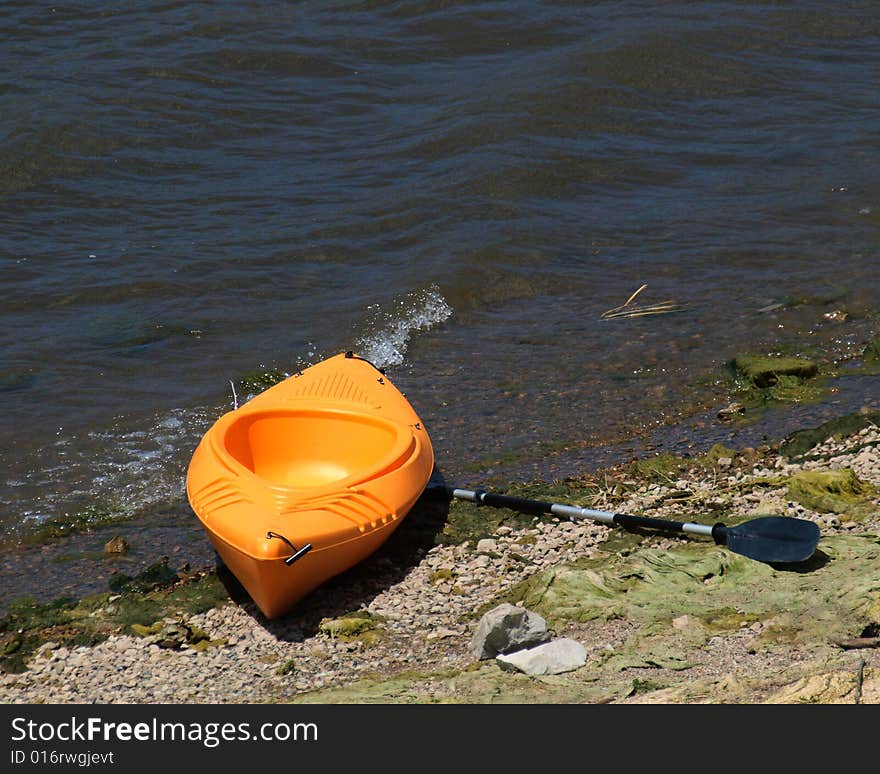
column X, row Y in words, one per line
column 234, row 396
column 640, row 311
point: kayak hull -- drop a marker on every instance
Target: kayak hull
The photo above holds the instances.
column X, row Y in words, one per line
column 308, row 478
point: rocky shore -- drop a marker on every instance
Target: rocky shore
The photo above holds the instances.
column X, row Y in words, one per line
column 661, row 619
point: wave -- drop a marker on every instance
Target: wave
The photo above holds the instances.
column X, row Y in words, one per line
column 88, row 478
column 389, row 331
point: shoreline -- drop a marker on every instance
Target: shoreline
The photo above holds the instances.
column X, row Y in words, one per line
column 72, row 561
column 397, row 627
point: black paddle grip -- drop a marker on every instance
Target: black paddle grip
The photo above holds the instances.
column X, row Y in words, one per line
column 625, row 520
column 533, row 507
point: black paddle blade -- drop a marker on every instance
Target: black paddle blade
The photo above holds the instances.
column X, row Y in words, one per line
column 773, row 539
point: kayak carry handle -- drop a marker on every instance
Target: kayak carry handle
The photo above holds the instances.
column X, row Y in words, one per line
column 350, row 355
column 298, row 553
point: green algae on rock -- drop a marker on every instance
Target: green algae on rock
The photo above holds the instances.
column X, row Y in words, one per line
column 650, row 586
column 176, row 633
column 837, row 491
column 765, row 370
column 156, row 575
column 361, row 625
column 836, row 596
column 763, row 379
column 662, row 467
column 800, row 442
column 92, row 619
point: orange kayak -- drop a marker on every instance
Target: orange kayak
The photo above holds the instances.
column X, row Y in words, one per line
column 309, row 478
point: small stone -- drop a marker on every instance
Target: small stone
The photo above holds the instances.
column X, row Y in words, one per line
column 439, row 634
column 116, row 545
column 731, row 411
column 487, row 545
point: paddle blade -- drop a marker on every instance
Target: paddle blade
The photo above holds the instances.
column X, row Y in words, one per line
column 774, row 539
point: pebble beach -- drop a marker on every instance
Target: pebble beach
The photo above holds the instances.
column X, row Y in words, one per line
column 429, row 614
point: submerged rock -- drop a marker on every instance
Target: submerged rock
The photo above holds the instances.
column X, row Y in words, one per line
column 507, row 628
column 157, row 575
column 762, row 379
column 731, row 411
column 551, row 658
column 116, row 545
column 765, row 371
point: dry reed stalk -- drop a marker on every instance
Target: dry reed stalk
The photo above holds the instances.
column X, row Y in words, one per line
column 626, row 310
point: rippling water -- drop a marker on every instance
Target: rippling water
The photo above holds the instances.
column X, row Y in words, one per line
column 193, row 191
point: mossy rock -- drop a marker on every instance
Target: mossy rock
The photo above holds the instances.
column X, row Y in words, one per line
column 799, row 443
column 176, row 633
column 871, row 354
column 765, row 370
column 87, row 621
column 837, row 491
column 762, row 379
column 287, row 668
column 358, row 625
column 660, row 467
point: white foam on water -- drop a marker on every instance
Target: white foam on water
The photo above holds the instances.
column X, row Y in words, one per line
column 115, row 472
column 122, row 469
column 389, row 333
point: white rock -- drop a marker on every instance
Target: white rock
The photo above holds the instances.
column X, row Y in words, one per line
column 551, row 658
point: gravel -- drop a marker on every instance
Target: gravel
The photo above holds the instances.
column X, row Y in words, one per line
column 429, row 614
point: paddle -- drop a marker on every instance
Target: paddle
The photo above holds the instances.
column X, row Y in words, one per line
column 770, row 539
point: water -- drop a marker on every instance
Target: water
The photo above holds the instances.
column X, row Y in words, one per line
column 193, row 191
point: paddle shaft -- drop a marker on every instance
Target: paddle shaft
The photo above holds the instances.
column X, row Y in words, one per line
column 539, row 508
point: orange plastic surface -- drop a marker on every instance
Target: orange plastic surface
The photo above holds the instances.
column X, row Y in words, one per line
column 333, row 456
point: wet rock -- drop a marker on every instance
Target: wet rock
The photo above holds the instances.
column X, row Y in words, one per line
column 730, row 412
column 507, row 628
column 765, row 371
column 176, row 634
column 116, row 545
column 155, row 576
column 551, row 658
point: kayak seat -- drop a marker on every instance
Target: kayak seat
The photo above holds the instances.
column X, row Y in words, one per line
column 312, row 449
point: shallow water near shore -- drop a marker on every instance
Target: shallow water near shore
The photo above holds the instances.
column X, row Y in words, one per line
column 190, row 195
